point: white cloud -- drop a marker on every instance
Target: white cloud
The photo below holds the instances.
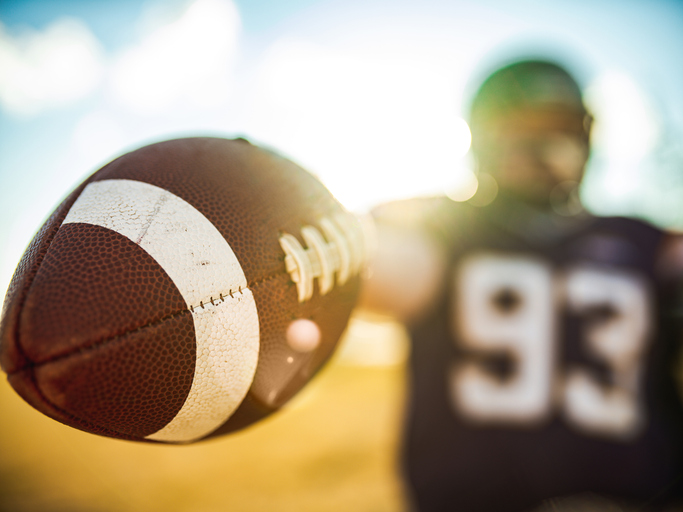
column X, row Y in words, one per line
column 189, row 58
column 42, row 70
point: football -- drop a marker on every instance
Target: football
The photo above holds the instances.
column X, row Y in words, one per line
column 183, row 291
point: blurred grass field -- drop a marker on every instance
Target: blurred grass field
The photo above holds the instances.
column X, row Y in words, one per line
column 333, row 448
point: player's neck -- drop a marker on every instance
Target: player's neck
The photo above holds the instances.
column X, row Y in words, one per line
column 553, row 207
column 530, row 219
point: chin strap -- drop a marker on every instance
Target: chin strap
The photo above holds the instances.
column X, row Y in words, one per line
column 338, row 246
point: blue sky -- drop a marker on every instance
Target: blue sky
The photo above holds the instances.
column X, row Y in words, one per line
column 367, row 94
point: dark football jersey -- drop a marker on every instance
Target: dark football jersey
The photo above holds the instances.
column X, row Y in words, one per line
column 547, row 368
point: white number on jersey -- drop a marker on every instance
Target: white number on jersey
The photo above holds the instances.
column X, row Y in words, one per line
column 620, row 341
column 510, row 306
column 505, row 305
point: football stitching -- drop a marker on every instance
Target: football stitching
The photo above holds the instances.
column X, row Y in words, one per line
column 89, row 424
column 99, row 343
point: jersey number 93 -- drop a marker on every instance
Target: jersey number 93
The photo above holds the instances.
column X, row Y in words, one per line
column 512, row 306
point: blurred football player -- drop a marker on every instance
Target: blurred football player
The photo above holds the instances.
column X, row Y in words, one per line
column 543, row 338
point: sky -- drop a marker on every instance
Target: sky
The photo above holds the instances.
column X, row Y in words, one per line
column 369, row 95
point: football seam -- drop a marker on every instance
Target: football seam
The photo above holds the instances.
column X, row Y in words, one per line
column 76, row 419
column 31, row 281
column 30, row 367
column 190, row 309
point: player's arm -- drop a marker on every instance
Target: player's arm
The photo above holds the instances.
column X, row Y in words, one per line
column 405, row 273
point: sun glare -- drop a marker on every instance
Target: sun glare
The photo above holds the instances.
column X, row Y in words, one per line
column 464, row 186
column 373, row 128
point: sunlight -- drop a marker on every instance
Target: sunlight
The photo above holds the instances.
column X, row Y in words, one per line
column 374, row 128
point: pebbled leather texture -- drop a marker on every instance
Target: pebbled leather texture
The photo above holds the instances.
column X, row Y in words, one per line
column 153, row 305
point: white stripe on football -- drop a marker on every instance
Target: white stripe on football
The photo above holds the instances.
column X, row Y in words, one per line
column 206, row 272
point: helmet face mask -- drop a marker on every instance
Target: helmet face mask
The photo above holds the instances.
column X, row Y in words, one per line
column 530, row 130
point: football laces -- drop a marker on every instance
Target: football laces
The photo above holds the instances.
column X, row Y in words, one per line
column 337, row 247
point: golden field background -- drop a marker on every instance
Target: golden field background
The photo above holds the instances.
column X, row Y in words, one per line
column 333, row 448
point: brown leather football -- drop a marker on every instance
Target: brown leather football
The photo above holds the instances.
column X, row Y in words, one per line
column 158, row 300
